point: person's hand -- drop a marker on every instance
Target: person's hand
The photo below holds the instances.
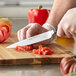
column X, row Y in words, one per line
column 31, row 30
column 67, row 25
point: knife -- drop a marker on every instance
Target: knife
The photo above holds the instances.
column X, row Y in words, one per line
column 34, row 39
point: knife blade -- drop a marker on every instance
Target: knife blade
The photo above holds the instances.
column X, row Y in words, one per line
column 34, row 39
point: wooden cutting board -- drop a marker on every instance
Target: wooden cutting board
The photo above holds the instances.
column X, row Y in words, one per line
column 13, row 57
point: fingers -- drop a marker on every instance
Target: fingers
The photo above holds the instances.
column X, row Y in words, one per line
column 66, row 30
column 18, row 35
column 33, row 30
column 46, row 42
column 73, row 31
column 60, row 31
column 21, row 34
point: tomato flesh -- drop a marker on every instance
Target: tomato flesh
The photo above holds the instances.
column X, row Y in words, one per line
column 40, row 51
column 43, row 51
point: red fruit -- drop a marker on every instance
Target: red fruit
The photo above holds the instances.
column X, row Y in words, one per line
column 43, row 51
column 5, row 29
column 40, row 52
column 38, row 16
column 68, row 65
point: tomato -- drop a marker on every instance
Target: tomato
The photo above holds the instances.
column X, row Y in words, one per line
column 43, row 51
column 47, row 52
column 5, row 29
column 35, row 51
column 68, row 65
column 24, row 48
column 40, row 52
column 4, row 33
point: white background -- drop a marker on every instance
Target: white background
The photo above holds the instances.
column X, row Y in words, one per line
column 8, row 8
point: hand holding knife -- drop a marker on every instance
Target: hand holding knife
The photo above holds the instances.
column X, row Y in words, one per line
column 34, row 39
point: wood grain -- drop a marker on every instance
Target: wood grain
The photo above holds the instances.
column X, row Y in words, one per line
column 13, row 57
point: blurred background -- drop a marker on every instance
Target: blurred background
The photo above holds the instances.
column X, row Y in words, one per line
column 19, row 8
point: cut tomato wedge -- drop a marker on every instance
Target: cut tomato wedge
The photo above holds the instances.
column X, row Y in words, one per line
column 24, row 48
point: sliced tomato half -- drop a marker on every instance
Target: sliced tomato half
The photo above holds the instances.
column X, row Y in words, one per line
column 4, row 32
column 1, row 36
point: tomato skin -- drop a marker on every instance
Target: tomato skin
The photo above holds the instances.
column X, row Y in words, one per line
column 24, row 48
column 5, row 32
column 68, row 65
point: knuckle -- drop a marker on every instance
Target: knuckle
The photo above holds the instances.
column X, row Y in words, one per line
column 75, row 35
column 72, row 30
column 66, row 27
column 28, row 34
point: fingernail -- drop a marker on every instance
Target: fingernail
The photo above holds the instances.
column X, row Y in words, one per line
column 58, row 34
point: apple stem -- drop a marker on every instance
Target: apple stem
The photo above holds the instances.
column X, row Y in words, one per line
column 40, row 6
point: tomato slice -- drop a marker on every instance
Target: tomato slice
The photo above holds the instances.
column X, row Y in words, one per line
column 5, row 27
column 5, row 33
column 24, row 48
